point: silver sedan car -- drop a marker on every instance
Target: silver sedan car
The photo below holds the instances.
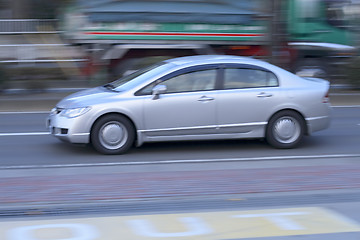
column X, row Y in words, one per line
column 195, row 98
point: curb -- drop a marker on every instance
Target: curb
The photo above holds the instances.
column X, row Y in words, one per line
column 208, row 203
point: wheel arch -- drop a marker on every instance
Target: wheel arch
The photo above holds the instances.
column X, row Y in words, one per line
column 293, row 110
column 115, row 114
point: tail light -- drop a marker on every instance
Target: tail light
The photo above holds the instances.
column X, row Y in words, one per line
column 326, row 98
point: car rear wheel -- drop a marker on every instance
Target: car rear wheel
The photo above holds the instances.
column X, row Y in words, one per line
column 112, row 134
column 285, row 129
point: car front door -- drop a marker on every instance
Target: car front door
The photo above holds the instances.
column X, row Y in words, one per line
column 187, row 109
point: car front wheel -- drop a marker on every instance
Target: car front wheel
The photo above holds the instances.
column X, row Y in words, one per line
column 285, row 129
column 112, row 134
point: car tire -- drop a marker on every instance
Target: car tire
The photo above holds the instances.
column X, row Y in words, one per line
column 112, row 134
column 285, row 129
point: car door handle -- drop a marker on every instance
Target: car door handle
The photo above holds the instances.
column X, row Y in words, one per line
column 264, row 95
column 205, row 99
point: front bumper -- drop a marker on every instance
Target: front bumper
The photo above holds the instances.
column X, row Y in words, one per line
column 73, row 130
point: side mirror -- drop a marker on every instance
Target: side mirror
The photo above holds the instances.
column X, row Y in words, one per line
column 157, row 90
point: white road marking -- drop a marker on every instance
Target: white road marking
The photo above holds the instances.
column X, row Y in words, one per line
column 262, row 223
column 183, row 161
column 24, row 134
column 35, row 112
column 282, row 220
column 78, row 231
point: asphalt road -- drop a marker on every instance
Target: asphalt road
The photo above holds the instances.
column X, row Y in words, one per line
column 24, row 141
column 180, row 190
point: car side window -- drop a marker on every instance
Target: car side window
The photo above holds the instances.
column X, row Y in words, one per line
column 148, row 89
column 235, row 78
column 193, row 81
column 201, row 80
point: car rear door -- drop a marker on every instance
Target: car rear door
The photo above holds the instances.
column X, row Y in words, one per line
column 248, row 98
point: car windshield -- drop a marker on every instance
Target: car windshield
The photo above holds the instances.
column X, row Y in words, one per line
column 132, row 80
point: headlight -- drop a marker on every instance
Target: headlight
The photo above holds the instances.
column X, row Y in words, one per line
column 74, row 112
column 53, row 111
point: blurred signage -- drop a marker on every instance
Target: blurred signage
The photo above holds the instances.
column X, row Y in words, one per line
column 172, row 31
column 162, row 27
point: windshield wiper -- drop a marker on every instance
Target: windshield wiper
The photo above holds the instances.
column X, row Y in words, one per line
column 109, row 86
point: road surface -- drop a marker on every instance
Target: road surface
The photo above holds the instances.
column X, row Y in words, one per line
column 206, row 190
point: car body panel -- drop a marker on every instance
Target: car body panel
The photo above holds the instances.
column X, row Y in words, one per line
column 251, row 110
column 181, row 114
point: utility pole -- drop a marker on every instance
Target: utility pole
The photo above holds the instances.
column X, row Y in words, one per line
column 276, row 32
column 272, row 31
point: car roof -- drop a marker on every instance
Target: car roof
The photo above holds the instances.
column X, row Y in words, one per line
column 208, row 59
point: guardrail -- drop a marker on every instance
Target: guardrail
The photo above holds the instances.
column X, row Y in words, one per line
column 23, row 26
column 44, row 60
column 39, row 53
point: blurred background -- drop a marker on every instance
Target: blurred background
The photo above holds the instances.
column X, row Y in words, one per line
column 49, row 48
column 68, row 44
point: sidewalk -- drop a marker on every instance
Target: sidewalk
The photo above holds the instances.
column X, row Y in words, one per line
column 103, row 187
column 45, row 101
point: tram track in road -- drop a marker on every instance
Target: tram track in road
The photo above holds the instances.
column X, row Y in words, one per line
column 186, row 161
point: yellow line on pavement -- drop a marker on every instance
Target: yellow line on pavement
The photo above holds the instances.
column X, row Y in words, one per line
column 185, row 226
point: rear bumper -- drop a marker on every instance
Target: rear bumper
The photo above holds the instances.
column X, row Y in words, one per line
column 317, row 123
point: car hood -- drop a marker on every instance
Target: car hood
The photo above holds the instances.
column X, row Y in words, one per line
column 87, row 98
